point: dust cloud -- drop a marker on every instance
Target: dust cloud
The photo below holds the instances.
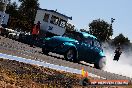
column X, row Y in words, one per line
column 121, row 67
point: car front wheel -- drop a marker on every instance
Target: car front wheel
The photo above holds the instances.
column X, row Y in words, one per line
column 101, row 63
column 70, row 55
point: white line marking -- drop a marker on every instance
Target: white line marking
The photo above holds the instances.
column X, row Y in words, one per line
column 45, row 64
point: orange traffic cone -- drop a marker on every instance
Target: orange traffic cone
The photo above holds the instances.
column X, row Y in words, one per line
column 86, row 74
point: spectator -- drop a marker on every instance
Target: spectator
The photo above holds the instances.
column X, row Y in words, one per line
column 35, row 32
column 36, row 29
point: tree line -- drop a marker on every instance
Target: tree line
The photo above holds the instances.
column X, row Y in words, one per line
column 22, row 16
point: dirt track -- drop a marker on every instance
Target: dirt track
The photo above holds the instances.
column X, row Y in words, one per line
column 20, row 75
column 12, row 47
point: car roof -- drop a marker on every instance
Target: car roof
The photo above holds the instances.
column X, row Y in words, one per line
column 86, row 35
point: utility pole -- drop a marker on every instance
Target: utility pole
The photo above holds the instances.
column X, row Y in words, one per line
column 111, row 24
column 4, row 4
column 112, row 20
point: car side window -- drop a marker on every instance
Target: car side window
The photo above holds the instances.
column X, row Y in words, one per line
column 88, row 41
column 76, row 36
column 97, row 44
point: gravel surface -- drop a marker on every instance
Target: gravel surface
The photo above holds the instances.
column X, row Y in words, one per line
column 16, row 74
column 12, row 47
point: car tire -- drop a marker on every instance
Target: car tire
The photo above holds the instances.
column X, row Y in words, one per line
column 71, row 55
column 45, row 51
column 101, row 63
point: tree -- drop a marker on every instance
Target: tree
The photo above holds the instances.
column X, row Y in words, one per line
column 124, row 41
column 70, row 27
column 12, row 9
column 1, row 6
column 28, row 9
column 101, row 29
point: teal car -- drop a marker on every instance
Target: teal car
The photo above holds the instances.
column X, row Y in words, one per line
column 78, row 46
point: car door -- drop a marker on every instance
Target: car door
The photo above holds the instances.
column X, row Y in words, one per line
column 87, row 49
column 95, row 49
column 81, row 46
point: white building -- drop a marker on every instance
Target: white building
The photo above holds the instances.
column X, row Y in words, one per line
column 52, row 21
column 4, row 18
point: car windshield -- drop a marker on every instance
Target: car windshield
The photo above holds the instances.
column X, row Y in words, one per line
column 88, row 41
column 97, row 43
column 94, row 42
column 76, row 36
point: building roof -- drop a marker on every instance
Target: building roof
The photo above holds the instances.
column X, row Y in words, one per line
column 56, row 12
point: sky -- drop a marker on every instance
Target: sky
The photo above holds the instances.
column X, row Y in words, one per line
column 84, row 12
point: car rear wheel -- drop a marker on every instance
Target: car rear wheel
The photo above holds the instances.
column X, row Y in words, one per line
column 70, row 55
column 101, row 63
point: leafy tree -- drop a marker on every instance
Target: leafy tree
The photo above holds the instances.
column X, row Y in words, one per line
column 101, row 29
column 24, row 15
column 28, row 9
column 70, row 27
column 1, row 6
column 120, row 39
column 12, row 9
